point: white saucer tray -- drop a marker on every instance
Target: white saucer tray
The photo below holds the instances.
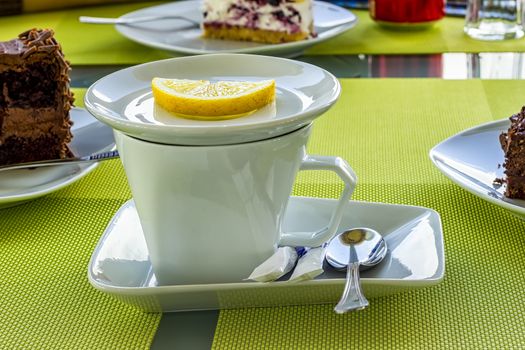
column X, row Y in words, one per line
column 120, row 264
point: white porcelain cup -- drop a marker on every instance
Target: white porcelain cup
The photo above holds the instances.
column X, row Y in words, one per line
column 495, row 19
column 211, row 214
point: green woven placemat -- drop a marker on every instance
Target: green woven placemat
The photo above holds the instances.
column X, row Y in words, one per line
column 92, row 44
column 445, row 36
column 385, row 128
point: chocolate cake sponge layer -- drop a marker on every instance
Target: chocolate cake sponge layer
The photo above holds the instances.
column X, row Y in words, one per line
column 35, row 86
column 515, row 154
column 35, row 99
column 515, row 187
column 18, row 150
column 513, row 145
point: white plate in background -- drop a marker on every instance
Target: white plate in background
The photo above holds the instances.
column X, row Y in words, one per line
column 178, row 37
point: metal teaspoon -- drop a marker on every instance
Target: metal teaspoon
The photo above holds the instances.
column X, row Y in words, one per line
column 351, row 249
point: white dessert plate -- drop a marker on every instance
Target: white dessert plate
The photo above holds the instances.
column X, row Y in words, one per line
column 124, row 99
column 176, row 36
column 473, row 159
column 18, row 186
column 120, row 264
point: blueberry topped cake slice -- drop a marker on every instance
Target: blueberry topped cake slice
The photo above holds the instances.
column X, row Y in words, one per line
column 513, row 144
column 266, row 21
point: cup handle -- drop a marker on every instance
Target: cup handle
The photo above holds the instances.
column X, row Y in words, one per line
column 345, row 172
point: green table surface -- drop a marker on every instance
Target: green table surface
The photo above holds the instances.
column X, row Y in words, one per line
column 384, row 128
column 86, row 44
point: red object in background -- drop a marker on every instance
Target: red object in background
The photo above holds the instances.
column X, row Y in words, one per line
column 407, row 11
column 400, row 66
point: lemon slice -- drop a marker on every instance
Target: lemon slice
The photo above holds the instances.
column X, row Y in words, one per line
column 203, row 99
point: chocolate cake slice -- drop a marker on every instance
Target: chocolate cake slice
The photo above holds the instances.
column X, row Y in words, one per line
column 35, row 99
column 513, row 144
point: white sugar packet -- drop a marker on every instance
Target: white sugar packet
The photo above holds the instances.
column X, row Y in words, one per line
column 276, row 266
column 310, row 265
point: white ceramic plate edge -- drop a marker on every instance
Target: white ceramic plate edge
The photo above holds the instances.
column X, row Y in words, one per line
column 430, row 281
column 84, row 170
column 459, row 178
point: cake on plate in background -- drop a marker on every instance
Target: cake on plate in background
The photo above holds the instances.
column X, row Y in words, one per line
column 265, row 21
column 35, row 99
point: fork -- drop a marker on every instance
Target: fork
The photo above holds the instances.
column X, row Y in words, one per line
column 66, row 161
column 323, row 23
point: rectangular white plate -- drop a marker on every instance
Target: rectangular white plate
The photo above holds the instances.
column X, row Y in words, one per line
column 120, row 264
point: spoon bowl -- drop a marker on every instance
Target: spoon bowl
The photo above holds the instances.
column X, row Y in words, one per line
column 355, row 249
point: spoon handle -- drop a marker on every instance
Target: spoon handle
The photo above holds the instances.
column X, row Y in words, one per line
column 353, row 298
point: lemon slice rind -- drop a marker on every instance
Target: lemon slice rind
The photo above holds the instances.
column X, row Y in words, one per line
column 204, row 100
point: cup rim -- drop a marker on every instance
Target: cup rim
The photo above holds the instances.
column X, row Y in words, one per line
column 137, row 139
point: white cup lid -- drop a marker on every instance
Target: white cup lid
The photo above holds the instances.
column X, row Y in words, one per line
column 124, row 99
